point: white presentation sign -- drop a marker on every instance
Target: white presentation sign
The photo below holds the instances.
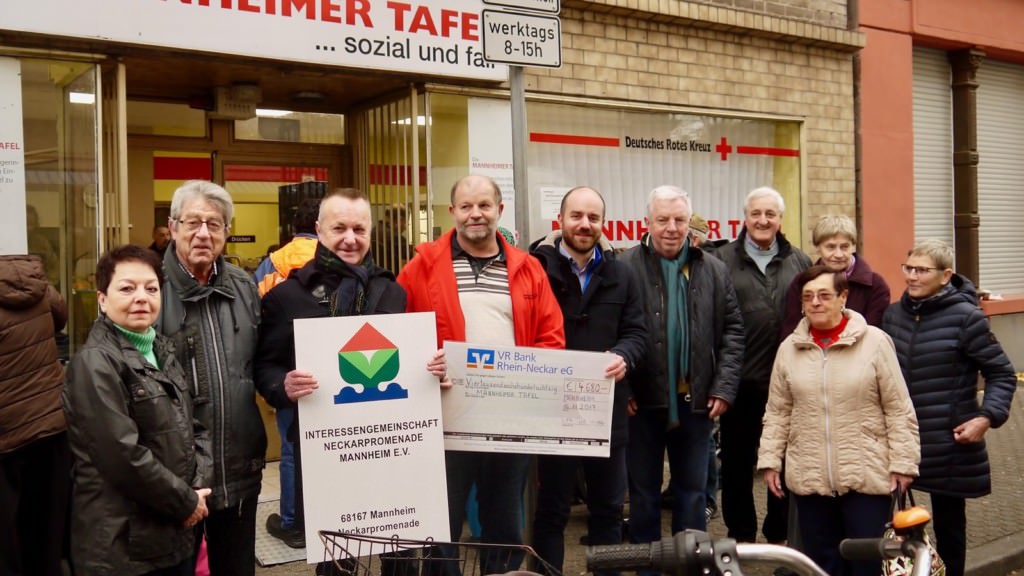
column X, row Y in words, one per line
column 425, row 37
column 371, row 438
column 13, row 239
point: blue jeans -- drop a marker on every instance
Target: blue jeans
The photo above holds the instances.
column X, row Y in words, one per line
column 500, row 480
column 711, row 491
column 606, row 487
column 285, row 417
column 687, row 446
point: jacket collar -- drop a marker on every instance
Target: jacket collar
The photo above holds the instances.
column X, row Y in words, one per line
column 648, row 247
column 439, row 252
column 963, row 291
column 162, row 348
column 784, row 245
column 855, row 329
column 861, row 274
column 187, row 287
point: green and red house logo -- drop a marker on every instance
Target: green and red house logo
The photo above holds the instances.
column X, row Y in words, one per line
column 369, row 360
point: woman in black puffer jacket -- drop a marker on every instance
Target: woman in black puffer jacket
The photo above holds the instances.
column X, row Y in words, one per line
column 943, row 340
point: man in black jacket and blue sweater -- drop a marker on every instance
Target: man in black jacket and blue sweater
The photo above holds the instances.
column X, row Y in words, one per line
column 603, row 312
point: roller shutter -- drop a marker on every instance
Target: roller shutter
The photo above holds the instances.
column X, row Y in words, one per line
column 1001, row 176
column 933, row 146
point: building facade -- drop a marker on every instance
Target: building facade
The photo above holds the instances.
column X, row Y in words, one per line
column 108, row 109
column 941, row 87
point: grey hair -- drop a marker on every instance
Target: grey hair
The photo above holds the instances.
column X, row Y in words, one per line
column 832, row 225
column 764, row 192
column 669, row 192
column 939, row 251
column 212, row 193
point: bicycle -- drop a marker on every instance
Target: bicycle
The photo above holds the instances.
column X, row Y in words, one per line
column 694, row 553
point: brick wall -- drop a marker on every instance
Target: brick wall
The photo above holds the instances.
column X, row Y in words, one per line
column 637, row 59
column 824, row 12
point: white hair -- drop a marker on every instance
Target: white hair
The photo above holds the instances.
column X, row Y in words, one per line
column 765, row 192
column 668, row 192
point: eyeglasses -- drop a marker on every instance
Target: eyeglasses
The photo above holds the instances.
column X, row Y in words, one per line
column 823, row 297
column 194, row 224
column 916, row 270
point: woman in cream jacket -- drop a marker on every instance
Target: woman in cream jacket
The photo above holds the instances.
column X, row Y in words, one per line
column 840, row 417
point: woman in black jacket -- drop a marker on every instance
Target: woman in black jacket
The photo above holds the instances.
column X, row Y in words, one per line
column 140, row 465
column 943, row 340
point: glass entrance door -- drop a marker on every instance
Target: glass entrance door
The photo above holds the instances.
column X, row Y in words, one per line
column 62, row 202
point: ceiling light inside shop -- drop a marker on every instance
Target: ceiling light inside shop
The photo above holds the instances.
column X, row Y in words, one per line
column 420, row 121
column 81, row 98
column 269, row 113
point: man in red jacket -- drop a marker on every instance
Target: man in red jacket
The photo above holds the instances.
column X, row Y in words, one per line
column 472, row 272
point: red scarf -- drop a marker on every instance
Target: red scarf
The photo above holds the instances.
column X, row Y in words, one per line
column 827, row 337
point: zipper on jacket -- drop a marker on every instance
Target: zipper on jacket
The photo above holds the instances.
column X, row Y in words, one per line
column 215, row 347
column 910, row 350
column 828, row 424
column 192, row 360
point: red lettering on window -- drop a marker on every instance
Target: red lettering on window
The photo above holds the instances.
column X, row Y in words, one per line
column 714, row 230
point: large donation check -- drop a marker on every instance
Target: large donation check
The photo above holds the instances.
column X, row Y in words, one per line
column 527, row 400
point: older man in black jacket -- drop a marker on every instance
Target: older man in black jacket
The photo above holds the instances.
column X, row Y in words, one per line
column 691, row 371
column 210, row 310
column 762, row 264
column 603, row 312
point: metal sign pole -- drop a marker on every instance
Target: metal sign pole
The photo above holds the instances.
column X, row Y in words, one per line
column 519, row 168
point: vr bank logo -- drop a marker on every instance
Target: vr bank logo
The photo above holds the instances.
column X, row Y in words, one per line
column 480, row 358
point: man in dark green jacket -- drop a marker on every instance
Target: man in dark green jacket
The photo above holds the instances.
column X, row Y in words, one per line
column 211, row 311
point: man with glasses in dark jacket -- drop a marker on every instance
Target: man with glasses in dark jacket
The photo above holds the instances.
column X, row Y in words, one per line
column 603, row 312
column 211, row 311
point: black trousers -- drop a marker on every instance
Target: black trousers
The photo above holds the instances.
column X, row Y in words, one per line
column 740, row 434
column 231, row 539
column 606, row 490
column 950, row 524
column 35, row 492
column 826, row 520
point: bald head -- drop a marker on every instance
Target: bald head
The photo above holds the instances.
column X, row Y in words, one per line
column 476, row 182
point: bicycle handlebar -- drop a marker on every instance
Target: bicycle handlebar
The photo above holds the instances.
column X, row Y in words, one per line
column 694, row 553
column 884, row 548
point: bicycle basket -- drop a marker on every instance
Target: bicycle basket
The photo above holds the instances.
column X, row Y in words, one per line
column 362, row 555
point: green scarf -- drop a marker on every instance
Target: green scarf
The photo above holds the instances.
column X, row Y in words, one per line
column 143, row 343
column 677, row 329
